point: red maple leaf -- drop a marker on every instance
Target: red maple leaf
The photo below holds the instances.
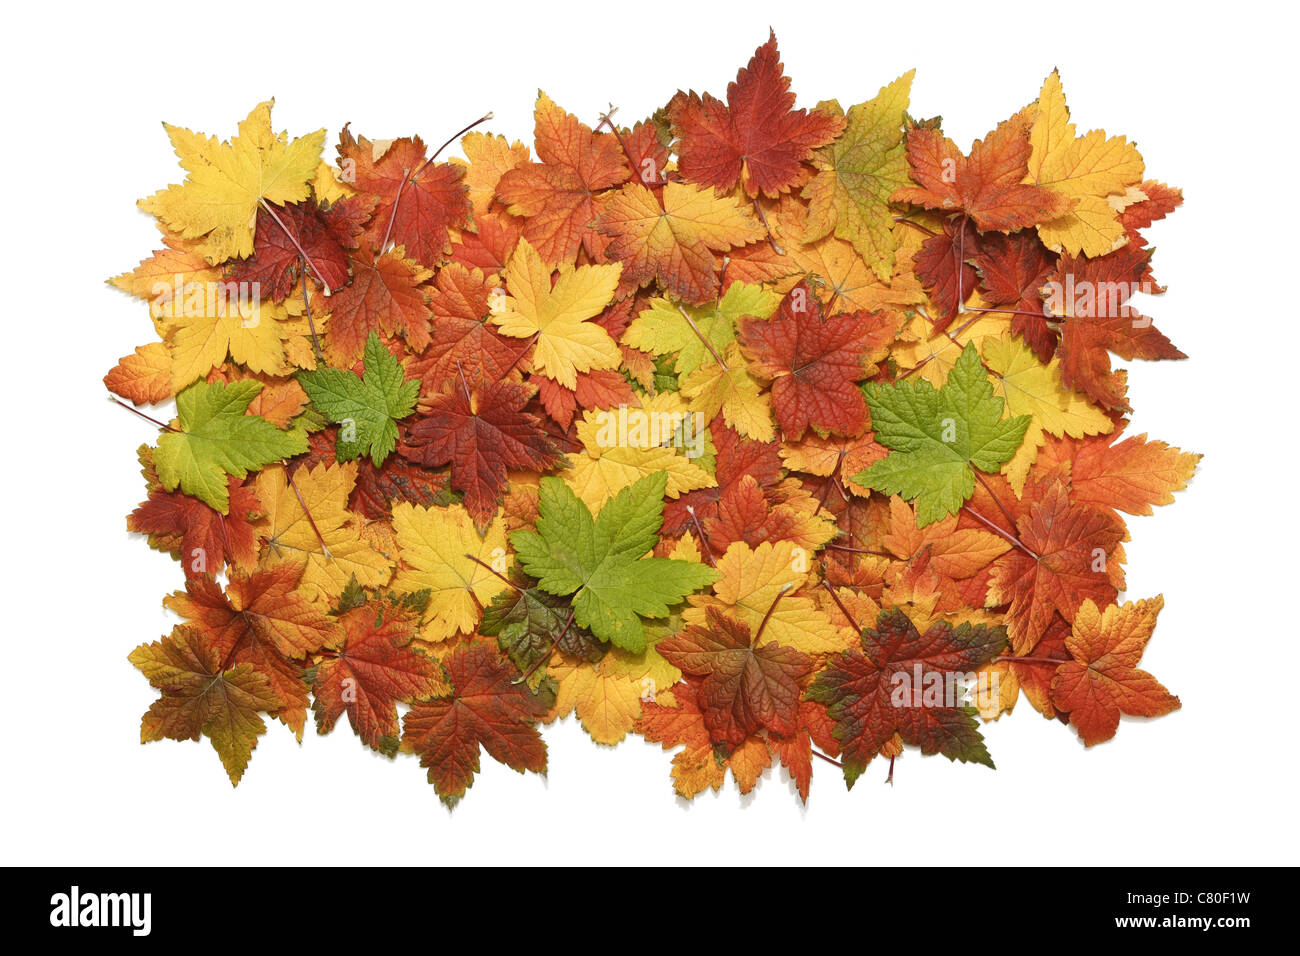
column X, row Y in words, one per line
column 372, row 672
column 463, row 342
column 1067, row 554
column 481, row 432
column 417, row 201
column 987, row 185
column 902, row 681
column 207, row 538
column 757, row 137
column 601, row 388
column 262, row 621
column 1091, row 296
column 737, row 456
column 485, row 709
column 556, row 196
column 1012, row 272
column 385, row 295
column 743, row 688
column 813, row 364
column 943, row 266
column 322, row 234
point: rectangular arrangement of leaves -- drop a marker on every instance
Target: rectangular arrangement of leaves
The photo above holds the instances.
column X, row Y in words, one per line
column 767, row 433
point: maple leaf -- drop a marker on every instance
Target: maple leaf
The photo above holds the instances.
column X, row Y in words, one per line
column 757, row 138
column 228, row 182
column 216, row 440
column 307, row 523
column 665, row 327
column 942, row 264
column 265, row 604
column 1091, row 296
column 387, row 295
column 745, row 688
column 1112, row 475
column 529, row 624
column 463, row 343
column 368, row 406
column 556, row 315
column 938, row 437
column 857, row 175
column 484, row 709
column 987, row 184
column 608, row 697
column 615, row 457
column 300, row 228
column 262, row 620
column 1103, row 680
column 1033, row 389
column 481, row 432
column 600, row 561
column 490, row 157
column 201, row 697
column 143, row 377
column 673, row 237
column 1012, row 272
column 729, row 388
column 750, row 578
column 812, row 362
column 902, row 682
column 1089, row 169
column 442, row 552
column 417, row 199
column 371, row 672
column 207, row 539
column 556, row 197
column 1068, row 556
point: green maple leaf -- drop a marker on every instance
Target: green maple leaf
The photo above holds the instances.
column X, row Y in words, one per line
column 600, row 561
column 217, row 439
column 858, row 173
column 937, row 437
column 366, row 406
column 662, row 329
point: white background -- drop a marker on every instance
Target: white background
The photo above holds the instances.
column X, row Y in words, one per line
column 1209, row 99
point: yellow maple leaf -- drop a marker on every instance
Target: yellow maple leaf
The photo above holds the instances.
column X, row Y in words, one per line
column 250, row 331
column 730, row 389
column 614, row 457
column 675, row 241
column 308, row 521
column 490, row 157
column 752, row 579
column 432, row 546
column 566, row 342
column 933, row 354
column 1090, row 169
column 1032, row 388
column 218, row 201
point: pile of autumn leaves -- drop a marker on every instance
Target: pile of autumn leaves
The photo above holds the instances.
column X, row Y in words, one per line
column 441, row 471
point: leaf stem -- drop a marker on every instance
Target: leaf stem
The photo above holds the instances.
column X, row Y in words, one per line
column 307, row 511
column 306, row 306
column 700, row 335
column 766, row 617
column 150, row 419
column 1006, row 534
column 840, row 604
column 493, row 570
column 699, row 530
